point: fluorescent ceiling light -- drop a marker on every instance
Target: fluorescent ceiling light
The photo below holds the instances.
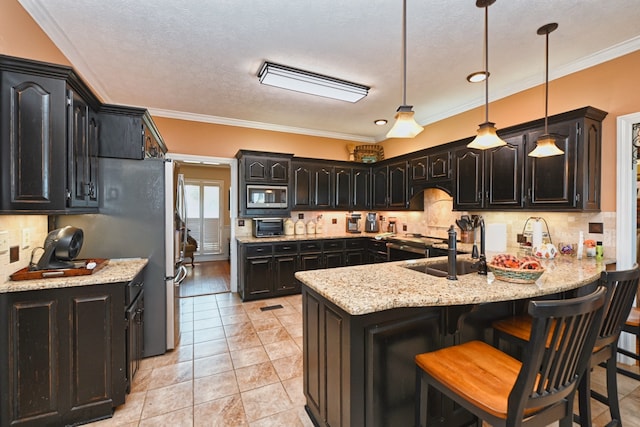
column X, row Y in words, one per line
column 307, row 82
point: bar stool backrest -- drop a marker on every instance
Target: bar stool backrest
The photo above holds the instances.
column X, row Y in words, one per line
column 563, row 334
column 621, row 289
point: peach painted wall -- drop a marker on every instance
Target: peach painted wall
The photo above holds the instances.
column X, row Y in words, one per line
column 207, row 139
column 21, row 36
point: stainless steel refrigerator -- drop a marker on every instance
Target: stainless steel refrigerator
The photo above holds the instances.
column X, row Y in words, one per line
column 137, row 219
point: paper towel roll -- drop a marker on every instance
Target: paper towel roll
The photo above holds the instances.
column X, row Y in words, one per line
column 496, row 238
column 536, row 235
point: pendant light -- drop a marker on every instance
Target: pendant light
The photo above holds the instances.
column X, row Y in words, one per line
column 546, row 143
column 487, row 136
column 405, row 125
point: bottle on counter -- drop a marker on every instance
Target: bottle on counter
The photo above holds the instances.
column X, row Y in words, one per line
column 300, row 227
column 599, row 251
column 289, row 227
column 319, row 225
column 580, row 245
column 311, row 227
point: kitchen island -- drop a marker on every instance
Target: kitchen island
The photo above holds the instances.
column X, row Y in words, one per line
column 363, row 325
column 71, row 345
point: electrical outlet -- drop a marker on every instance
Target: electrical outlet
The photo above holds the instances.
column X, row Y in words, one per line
column 404, row 227
column 26, row 238
column 300, row 216
column 334, row 220
column 4, row 242
column 14, row 254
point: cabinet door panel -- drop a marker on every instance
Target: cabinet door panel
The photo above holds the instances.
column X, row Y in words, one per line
column 439, row 166
column 343, row 188
column 77, row 150
column 302, row 190
column 32, row 149
column 504, row 168
column 256, row 169
column 468, row 180
column 285, row 268
column 398, row 185
column 34, row 360
column 279, row 171
column 419, row 168
column 552, row 179
column 258, row 276
column 323, row 187
column 310, row 261
column 380, row 176
column 91, row 325
column 361, row 188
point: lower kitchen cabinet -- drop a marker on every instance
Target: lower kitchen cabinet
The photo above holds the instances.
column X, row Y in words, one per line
column 135, row 337
column 64, row 355
column 268, row 269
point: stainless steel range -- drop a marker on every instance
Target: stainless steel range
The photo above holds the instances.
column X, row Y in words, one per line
column 413, row 246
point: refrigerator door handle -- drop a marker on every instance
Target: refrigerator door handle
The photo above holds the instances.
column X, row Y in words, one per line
column 180, row 276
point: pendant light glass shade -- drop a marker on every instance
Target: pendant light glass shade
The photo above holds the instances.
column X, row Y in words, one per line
column 546, row 143
column 487, row 136
column 546, row 147
column 405, row 125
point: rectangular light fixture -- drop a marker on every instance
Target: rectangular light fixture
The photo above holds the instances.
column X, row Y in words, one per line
column 307, row 82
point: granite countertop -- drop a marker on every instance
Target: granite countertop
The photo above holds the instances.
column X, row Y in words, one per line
column 376, row 287
column 301, row 237
column 116, row 270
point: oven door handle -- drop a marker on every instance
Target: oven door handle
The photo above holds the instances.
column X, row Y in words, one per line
column 180, row 275
column 407, row 248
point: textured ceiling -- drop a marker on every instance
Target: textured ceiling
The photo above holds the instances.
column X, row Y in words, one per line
column 198, row 59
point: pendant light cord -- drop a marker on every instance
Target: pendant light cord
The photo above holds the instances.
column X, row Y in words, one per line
column 486, row 63
column 404, row 52
column 546, row 85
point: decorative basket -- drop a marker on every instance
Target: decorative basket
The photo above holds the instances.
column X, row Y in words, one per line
column 515, row 275
column 370, row 153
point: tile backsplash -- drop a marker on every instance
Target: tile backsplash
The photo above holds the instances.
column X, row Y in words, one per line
column 438, row 215
column 14, row 225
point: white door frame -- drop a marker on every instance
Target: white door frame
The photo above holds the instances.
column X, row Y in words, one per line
column 233, row 163
column 626, row 215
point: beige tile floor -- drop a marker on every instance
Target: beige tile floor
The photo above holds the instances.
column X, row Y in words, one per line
column 239, row 366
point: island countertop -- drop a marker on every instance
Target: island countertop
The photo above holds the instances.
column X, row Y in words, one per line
column 371, row 288
column 116, row 270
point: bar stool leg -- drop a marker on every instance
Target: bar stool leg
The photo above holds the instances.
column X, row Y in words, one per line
column 612, row 387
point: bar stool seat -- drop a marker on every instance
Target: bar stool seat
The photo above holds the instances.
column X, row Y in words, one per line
column 632, row 326
column 503, row 391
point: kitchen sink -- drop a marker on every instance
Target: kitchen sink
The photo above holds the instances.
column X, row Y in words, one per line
column 440, row 268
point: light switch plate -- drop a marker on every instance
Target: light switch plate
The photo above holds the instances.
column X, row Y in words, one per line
column 4, row 242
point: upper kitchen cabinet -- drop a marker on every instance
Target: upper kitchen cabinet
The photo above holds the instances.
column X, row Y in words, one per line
column 313, row 184
column 129, row 133
column 506, row 177
column 390, row 182
column 490, row 179
column 48, row 135
column 269, row 168
column 352, row 187
column 266, row 172
column 571, row 180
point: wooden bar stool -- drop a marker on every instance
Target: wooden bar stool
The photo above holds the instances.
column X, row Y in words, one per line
column 632, row 326
column 503, row 391
column 621, row 288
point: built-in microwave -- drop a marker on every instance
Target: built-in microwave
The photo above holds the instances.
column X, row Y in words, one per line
column 267, row 197
column 267, row 227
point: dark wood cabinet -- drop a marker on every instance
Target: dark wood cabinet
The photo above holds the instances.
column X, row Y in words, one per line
column 82, row 152
column 33, row 154
column 266, row 169
column 267, row 270
column 313, row 185
column 48, row 139
column 129, row 133
column 506, row 177
column 64, row 357
column 390, row 187
column 134, row 316
column 263, row 168
column 343, row 188
column 431, row 167
column 491, row 179
column 361, row 197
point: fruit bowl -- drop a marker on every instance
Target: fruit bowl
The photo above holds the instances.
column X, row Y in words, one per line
column 515, row 275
